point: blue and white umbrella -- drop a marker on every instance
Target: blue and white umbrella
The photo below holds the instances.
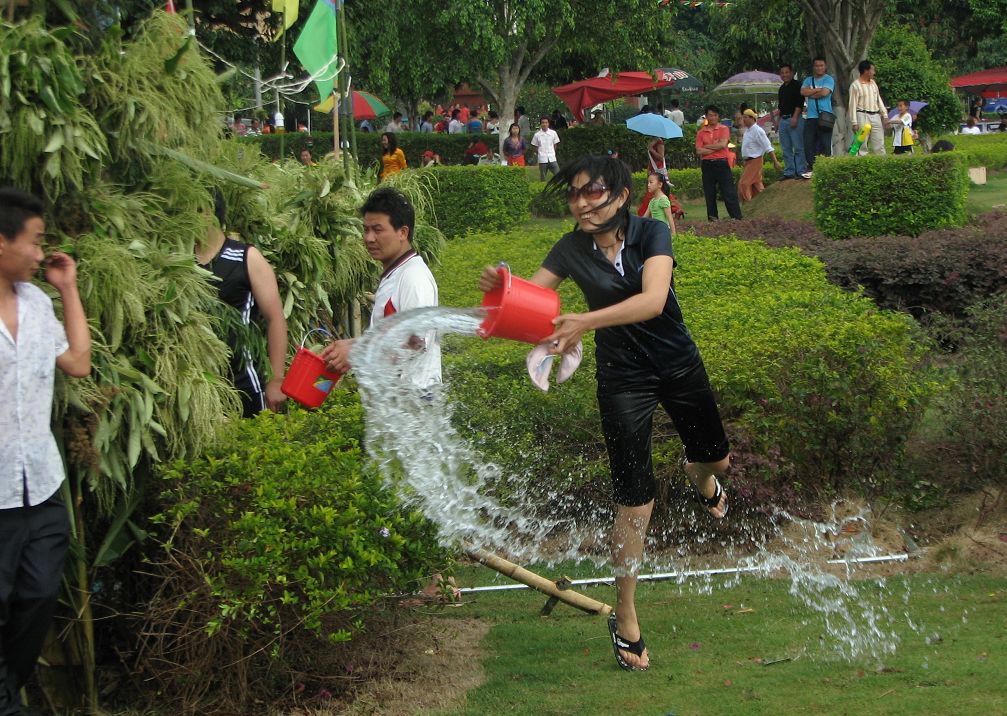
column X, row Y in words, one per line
column 654, row 125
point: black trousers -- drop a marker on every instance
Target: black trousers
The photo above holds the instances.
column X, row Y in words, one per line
column 33, row 545
column 717, row 173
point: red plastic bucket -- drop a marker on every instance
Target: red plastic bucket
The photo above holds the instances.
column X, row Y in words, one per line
column 308, row 381
column 519, row 310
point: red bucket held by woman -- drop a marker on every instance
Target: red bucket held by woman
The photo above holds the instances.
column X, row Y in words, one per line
column 519, row 310
column 308, row 381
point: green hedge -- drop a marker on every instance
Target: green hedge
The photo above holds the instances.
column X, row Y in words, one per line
column 479, row 198
column 982, row 150
column 889, row 195
column 632, row 147
column 278, row 535
column 574, row 142
column 807, row 370
column 451, row 147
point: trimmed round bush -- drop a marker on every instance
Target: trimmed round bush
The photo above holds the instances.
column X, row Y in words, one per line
column 889, row 195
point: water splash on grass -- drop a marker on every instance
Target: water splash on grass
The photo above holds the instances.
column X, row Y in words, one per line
column 434, row 468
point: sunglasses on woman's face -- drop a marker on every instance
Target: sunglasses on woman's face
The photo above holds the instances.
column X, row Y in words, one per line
column 592, row 191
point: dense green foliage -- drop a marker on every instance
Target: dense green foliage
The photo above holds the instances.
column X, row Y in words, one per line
column 881, row 195
column 906, row 70
column 797, row 363
column 974, row 408
column 277, row 536
column 480, row 198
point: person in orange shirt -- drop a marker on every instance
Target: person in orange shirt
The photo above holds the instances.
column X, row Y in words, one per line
column 393, row 159
column 711, row 146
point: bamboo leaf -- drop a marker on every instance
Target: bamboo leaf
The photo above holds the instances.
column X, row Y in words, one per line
column 171, row 64
column 55, row 142
column 207, row 168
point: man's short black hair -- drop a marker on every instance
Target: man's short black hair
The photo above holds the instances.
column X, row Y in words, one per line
column 397, row 116
column 787, row 65
column 864, row 66
column 713, row 108
column 817, row 58
column 17, row 207
column 391, row 201
column 674, row 103
column 520, row 108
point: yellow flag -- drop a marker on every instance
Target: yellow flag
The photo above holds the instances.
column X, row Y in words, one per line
column 326, row 104
column 289, row 9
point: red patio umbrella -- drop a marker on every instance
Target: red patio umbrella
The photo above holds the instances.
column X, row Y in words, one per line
column 593, row 90
column 988, row 83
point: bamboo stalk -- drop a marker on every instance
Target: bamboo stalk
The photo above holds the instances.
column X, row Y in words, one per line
column 541, row 584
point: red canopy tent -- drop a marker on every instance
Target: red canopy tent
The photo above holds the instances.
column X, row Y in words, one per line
column 988, row 83
column 594, row 90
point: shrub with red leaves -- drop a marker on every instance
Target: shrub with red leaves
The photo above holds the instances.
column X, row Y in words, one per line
column 943, row 271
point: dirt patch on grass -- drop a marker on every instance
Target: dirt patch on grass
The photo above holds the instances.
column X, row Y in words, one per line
column 440, row 662
column 792, row 199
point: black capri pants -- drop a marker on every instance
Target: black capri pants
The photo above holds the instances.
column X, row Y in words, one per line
column 627, row 417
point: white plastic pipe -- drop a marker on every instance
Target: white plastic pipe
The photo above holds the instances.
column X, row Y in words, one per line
column 696, row 573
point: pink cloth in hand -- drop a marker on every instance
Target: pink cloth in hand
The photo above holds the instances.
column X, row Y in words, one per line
column 540, row 362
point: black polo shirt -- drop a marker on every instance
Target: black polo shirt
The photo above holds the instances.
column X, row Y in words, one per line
column 789, row 98
column 661, row 346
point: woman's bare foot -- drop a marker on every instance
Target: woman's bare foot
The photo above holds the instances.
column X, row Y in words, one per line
column 629, row 629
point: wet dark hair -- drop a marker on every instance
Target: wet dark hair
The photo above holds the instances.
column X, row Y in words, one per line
column 391, row 201
column 220, row 207
column 612, row 172
column 864, row 66
column 16, row 207
column 393, row 143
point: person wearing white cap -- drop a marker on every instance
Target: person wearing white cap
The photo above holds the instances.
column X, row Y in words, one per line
column 754, row 146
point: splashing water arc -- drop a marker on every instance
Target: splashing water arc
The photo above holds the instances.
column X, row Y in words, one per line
column 422, row 456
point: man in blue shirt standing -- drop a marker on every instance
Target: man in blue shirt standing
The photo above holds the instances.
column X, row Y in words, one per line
column 817, row 91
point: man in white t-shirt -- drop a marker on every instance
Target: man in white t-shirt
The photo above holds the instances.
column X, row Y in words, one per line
column 456, row 126
column 545, row 141
column 675, row 114
column 406, row 282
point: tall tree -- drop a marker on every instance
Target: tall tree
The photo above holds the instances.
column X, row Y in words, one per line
column 844, row 30
column 499, row 44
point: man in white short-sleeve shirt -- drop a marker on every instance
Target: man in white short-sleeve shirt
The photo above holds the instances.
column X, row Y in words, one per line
column 545, row 141
column 34, row 527
column 406, row 281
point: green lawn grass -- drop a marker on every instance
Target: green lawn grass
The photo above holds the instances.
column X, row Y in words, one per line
column 988, row 196
column 711, row 658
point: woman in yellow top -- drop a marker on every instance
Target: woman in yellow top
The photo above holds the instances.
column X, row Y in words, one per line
column 393, row 159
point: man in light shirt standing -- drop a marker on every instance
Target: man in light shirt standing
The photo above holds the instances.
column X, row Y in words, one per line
column 866, row 106
column 34, row 525
column 754, row 145
column 817, row 91
column 545, row 141
column 675, row 114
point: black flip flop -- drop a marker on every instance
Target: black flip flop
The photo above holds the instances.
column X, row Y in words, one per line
column 621, row 642
column 714, row 499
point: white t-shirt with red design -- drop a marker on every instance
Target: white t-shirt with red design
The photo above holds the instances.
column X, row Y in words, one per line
column 411, row 285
